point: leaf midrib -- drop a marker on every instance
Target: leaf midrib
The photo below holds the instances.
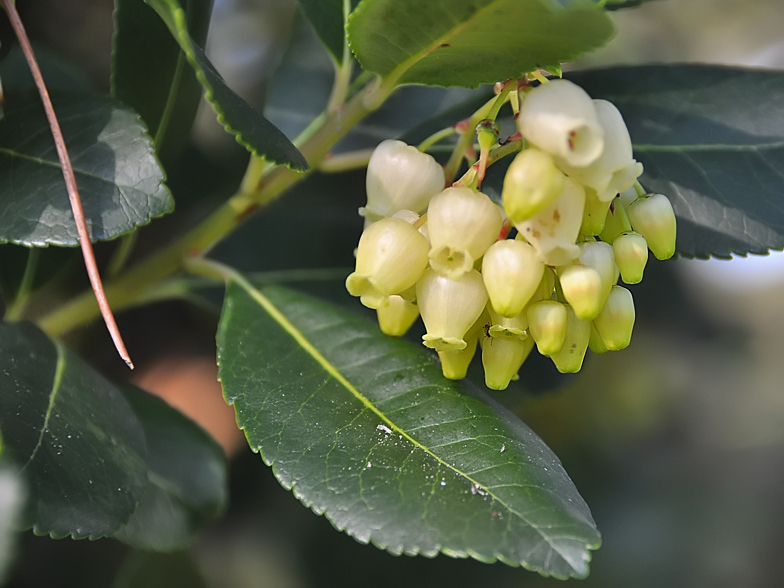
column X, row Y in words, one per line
column 300, row 338
column 56, row 382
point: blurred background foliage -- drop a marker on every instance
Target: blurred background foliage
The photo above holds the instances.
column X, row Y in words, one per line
column 677, row 444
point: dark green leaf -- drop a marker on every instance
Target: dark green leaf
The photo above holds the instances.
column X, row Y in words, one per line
column 292, row 110
column 153, row 76
column 472, row 42
column 364, row 429
column 12, row 497
column 187, row 477
column 119, row 179
column 712, row 139
column 248, row 126
column 326, row 17
column 78, row 442
column 618, row 4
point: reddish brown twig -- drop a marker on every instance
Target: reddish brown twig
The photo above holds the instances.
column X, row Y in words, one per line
column 70, row 183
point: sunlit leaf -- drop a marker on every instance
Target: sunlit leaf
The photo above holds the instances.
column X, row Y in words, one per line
column 364, row 429
column 472, row 42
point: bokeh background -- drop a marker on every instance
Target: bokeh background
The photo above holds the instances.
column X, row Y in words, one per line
column 677, row 443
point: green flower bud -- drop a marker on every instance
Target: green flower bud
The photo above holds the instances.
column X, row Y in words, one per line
column 569, row 359
column 400, row 177
column 449, row 307
column 547, row 325
column 554, row 230
column 512, row 272
column 502, row 358
column 652, row 216
column 532, row 182
column 616, row 320
column 594, row 214
column 615, row 170
column 397, row 316
column 595, row 343
column 559, row 117
column 454, row 364
column 631, row 255
column 601, row 257
column 462, row 224
column 583, row 290
column 391, row 257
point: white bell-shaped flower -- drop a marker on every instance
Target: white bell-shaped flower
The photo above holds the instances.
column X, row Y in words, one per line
column 502, row 358
column 449, row 307
column 559, row 117
column 547, row 320
column 616, row 169
column 396, row 317
column 512, row 273
column 462, row 224
column 652, row 216
column 391, row 257
column 400, row 177
column 616, row 320
column 531, row 183
column 554, row 230
column 569, row 359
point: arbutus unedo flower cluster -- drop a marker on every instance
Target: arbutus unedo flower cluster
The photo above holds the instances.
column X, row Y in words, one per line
column 539, row 270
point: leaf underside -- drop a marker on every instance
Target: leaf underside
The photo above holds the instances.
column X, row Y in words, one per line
column 711, row 138
column 365, row 430
column 248, row 126
column 472, row 42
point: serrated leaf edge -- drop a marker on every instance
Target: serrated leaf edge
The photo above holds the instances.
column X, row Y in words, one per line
column 292, row 330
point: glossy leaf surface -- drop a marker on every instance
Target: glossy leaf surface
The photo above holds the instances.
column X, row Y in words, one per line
column 119, row 178
column 364, row 429
column 248, row 126
column 76, row 439
column 153, row 76
column 187, row 477
column 472, row 42
column 711, row 138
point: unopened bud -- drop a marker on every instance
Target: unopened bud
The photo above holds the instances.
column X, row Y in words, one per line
column 582, row 288
column 532, row 182
column 631, row 255
column 397, row 316
column 400, row 177
column 601, row 257
column 512, row 272
column 594, row 214
column 547, row 325
column 652, row 216
column 502, row 358
column 454, row 364
column 570, row 358
column 616, row 320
